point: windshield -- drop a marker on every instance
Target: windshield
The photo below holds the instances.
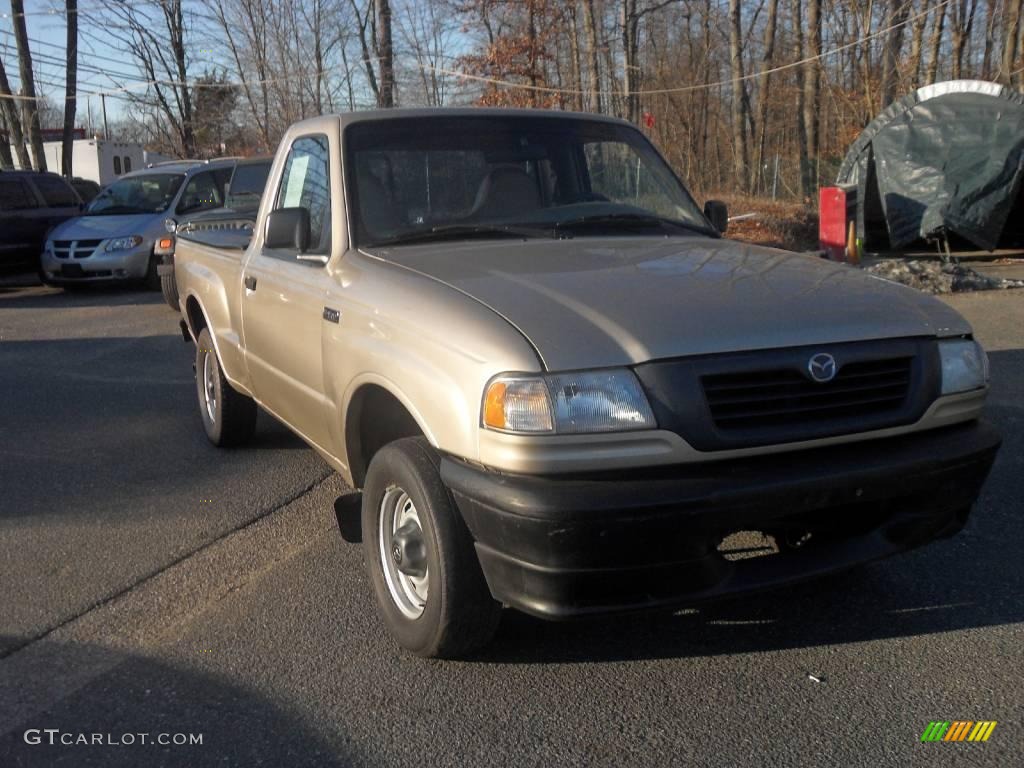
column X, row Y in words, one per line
column 247, row 184
column 149, row 193
column 452, row 176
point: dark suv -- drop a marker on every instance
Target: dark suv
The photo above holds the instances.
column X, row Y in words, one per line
column 31, row 204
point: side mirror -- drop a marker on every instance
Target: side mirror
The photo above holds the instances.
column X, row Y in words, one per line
column 287, row 228
column 718, row 214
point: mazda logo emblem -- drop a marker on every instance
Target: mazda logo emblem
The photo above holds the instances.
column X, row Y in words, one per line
column 822, row 367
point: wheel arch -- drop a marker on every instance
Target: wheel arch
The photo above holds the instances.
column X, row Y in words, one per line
column 377, row 413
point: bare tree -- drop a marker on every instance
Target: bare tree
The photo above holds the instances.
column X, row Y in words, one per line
column 593, row 62
column 13, row 120
column 385, row 55
column 155, row 35
column 1010, row 42
column 896, row 16
column 763, row 85
column 935, row 44
column 812, row 93
column 30, row 109
column 962, row 22
column 741, row 158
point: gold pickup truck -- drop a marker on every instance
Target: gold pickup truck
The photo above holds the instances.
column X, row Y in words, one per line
column 555, row 387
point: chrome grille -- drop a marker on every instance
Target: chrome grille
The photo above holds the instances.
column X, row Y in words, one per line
column 74, row 249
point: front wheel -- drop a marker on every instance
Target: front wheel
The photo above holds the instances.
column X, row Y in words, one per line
column 420, row 557
column 229, row 417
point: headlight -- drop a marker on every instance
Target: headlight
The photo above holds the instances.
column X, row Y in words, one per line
column 123, row 243
column 170, row 225
column 964, row 366
column 567, row 403
column 48, row 247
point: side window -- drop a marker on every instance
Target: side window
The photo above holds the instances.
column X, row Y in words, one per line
column 117, row 165
column 619, row 174
column 56, row 192
column 15, row 195
column 306, row 183
column 202, row 192
column 127, row 164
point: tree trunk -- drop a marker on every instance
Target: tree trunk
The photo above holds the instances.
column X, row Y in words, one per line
column 963, row 23
column 577, row 66
column 593, row 63
column 6, row 160
column 801, row 126
column 13, row 120
column 917, row 45
column 741, row 156
column 992, row 11
column 630, row 62
column 70, row 90
column 897, row 15
column 30, row 106
column 386, row 97
column 935, row 45
column 1013, row 8
column 812, row 92
column 763, row 85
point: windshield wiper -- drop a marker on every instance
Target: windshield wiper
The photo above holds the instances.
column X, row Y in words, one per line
column 626, row 221
column 457, row 232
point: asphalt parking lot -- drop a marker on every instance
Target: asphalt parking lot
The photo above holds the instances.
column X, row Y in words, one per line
column 153, row 584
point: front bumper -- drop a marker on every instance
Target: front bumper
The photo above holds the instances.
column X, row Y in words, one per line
column 567, row 546
column 100, row 266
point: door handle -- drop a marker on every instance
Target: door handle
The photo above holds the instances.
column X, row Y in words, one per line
column 250, row 283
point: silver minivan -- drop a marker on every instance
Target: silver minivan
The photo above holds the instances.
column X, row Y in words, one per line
column 113, row 239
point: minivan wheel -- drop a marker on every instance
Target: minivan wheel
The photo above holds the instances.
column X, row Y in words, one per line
column 229, row 417
column 420, row 558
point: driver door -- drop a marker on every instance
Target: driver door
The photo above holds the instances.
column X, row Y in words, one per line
column 283, row 300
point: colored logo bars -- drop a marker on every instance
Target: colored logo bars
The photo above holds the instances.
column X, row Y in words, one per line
column 958, row 730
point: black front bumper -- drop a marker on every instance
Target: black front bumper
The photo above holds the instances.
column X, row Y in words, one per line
column 566, row 546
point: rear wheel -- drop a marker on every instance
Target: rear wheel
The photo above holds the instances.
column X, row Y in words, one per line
column 420, row 557
column 229, row 417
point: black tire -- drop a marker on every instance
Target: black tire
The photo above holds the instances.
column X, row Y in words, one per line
column 233, row 418
column 152, row 278
column 459, row 615
column 169, row 287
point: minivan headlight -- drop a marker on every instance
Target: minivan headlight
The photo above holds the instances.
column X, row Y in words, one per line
column 567, row 403
column 123, row 243
column 964, row 366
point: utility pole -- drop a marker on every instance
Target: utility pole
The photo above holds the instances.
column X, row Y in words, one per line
column 103, row 102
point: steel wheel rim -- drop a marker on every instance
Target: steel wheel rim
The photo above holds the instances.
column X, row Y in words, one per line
column 209, row 389
column 400, row 527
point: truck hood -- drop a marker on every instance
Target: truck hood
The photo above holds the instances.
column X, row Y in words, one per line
column 594, row 302
column 103, row 227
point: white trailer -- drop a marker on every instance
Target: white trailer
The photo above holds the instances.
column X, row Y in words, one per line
column 99, row 160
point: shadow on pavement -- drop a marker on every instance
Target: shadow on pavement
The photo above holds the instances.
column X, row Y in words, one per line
column 49, row 297
column 129, row 695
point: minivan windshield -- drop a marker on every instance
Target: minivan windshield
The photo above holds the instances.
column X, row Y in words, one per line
column 147, row 193
column 450, row 177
